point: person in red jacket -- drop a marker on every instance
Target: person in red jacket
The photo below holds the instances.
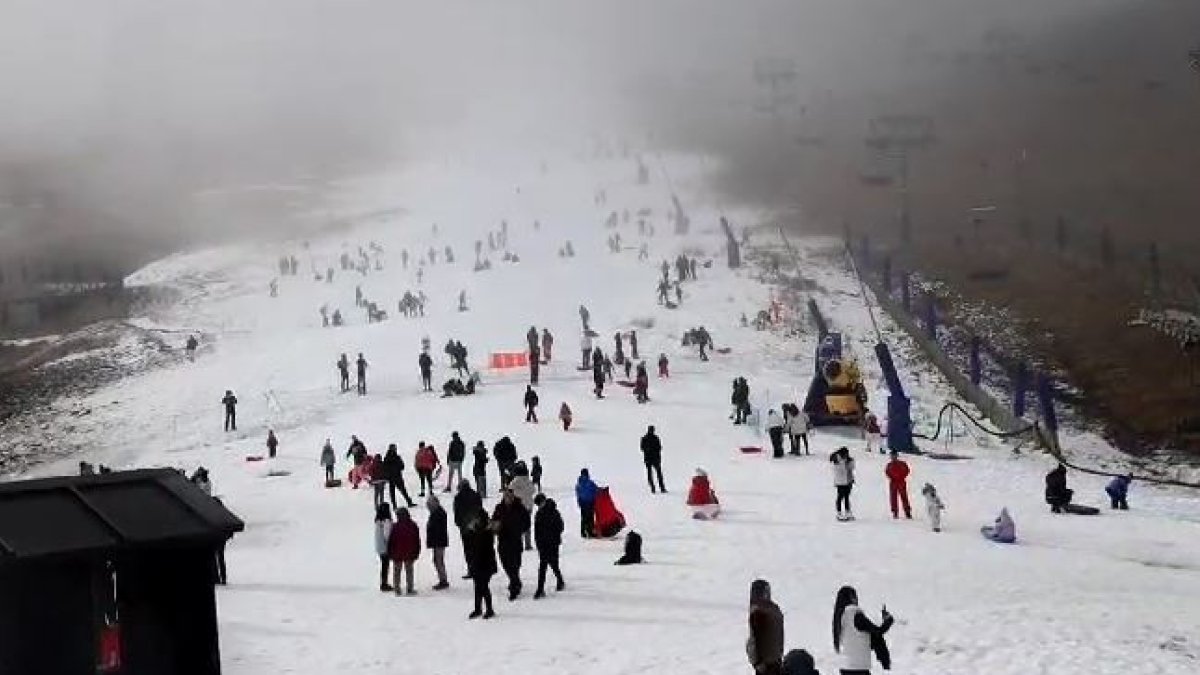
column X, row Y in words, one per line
column 404, row 547
column 702, row 498
column 897, row 475
column 426, row 462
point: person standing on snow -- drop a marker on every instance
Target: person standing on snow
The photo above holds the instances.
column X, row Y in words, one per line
column 641, row 384
column 230, row 403
column 897, row 474
column 505, row 454
column 466, row 502
column 652, row 457
column 535, row 364
column 535, row 473
column 585, row 496
column 795, row 422
column 843, row 481
column 437, row 540
column 585, row 346
column 383, row 530
column 393, row 471
column 456, row 453
column 584, row 317
column 426, row 462
column 775, row 431
column 191, row 346
column 764, row 647
column 479, row 467
column 855, row 637
column 705, row 342
column 598, row 374
column 933, row 506
column 633, row 345
column 664, row 366
column 328, row 460
column 343, row 366
column 361, row 364
column 531, row 338
column 547, row 345
column 740, row 400
column 1118, row 491
column 479, row 543
column 522, row 489
column 404, row 547
column 547, row 535
column 272, row 443
column 619, row 345
column 510, row 520
column 425, row 362
column 873, row 434
column 564, row 416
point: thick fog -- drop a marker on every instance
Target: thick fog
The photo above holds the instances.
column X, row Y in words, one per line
column 133, row 126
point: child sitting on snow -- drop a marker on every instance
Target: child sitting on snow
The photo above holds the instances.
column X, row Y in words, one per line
column 1004, row 531
column 933, row 506
column 702, row 498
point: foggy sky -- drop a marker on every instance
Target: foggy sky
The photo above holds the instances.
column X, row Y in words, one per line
column 117, row 112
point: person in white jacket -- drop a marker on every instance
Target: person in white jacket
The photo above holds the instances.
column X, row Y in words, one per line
column 843, row 481
column 795, row 423
column 383, row 528
column 855, row 637
column 775, row 432
column 522, row 488
column 933, row 506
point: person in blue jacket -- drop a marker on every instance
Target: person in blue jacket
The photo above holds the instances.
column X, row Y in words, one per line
column 585, row 495
column 1118, row 490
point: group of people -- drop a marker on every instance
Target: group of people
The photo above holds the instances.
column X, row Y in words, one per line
column 360, row 369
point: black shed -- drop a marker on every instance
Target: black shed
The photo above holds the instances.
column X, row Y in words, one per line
column 111, row 573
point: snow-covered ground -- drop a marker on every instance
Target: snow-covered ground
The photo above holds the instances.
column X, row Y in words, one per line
column 1109, row 594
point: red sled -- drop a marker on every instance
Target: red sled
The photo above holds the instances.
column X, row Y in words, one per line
column 750, row 449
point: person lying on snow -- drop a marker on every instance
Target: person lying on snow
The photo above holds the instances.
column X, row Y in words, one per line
column 1004, row 531
column 702, row 498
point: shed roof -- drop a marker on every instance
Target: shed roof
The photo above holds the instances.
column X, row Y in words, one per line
column 107, row 514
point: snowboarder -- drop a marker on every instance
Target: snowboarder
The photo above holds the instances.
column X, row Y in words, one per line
column 843, row 481
column 328, row 460
column 897, row 474
column 547, row 535
column 764, row 647
column 383, row 530
column 272, row 443
column 510, row 520
column 426, row 462
column 775, row 431
column 585, row 496
column 393, row 471
column 855, row 637
column 479, row 467
column 547, row 345
column 1003, row 531
column 343, row 366
column 456, row 453
column 404, row 547
column 1118, row 491
column 425, row 362
column 564, row 416
column 652, row 457
column 933, row 506
column 230, row 403
column 478, row 541
column 361, row 365
column 664, row 366
column 437, row 539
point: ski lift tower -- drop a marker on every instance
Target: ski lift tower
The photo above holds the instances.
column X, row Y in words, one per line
column 896, row 137
column 778, row 77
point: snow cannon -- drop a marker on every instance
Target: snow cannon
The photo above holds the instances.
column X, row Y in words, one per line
column 837, row 395
column 899, row 416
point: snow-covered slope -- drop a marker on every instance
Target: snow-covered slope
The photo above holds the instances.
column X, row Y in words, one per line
column 1110, row 594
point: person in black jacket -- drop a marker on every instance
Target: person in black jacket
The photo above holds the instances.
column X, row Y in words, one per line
column 479, row 468
column 343, row 366
column 652, row 456
column 426, row 364
column 479, row 544
column 765, row 646
column 437, row 539
column 1058, row 495
column 535, row 363
column 393, row 472
column 531, row 401
column 456, row 454
column 361, row 365
column 598, row 378
column 547, row 536
column 505, row 454
column 230, row 403
column 466, row 502
column 510, row 520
